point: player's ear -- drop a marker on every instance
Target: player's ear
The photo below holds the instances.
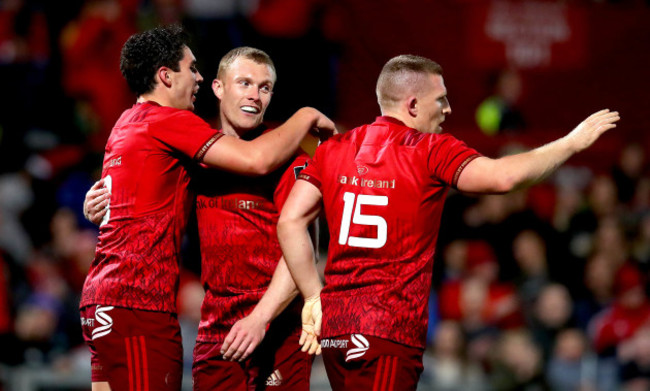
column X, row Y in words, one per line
column 217, row 88
column 412, row 106
column 164, row 76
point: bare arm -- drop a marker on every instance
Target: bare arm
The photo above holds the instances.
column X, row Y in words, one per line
column 485, row 175
column 249, row 331
column 268, row 151
column 300, row 210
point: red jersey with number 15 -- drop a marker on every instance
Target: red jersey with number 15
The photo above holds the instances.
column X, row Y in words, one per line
column 146, row 164
column 383, row 187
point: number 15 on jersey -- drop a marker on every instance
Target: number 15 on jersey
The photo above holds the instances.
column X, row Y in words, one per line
column 352, row 215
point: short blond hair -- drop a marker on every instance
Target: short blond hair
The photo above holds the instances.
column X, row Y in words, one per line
column 256, row 55
column 402, row 75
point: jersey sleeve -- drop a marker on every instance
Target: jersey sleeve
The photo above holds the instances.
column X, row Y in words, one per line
column 288, row 179
column 185, row 132
column 311, row 173
column 448, row 157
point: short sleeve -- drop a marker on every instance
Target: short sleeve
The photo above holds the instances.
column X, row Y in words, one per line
column 448, row 157
column 311, row 173
column 288, row 179
column 185, row 132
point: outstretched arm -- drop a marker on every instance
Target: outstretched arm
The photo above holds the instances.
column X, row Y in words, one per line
column 248, row 332
column 485, row 175
column 268, row 151
column 301, row 208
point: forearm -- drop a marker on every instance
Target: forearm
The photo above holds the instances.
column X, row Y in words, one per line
column 281, row 291
column 299, row 255
column 526, row 169
column 268, row 151
column 484, row 175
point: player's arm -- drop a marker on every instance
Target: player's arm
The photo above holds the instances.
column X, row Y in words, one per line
column 485, row 175
column 300, row 210
column 96, row 201
column 248, row 332
column 268, row 151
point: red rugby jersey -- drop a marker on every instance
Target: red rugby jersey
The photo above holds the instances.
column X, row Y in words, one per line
column 146, row 162
column 384, row 187
column 237, row 218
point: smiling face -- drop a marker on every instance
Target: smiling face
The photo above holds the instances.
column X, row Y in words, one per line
column 185, row 82
column 244, row 92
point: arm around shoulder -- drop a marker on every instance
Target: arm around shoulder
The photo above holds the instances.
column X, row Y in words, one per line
column 270, row 150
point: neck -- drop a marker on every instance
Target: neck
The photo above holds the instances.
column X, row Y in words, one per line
column 227, row 128
column 399, row 116
column 154, row 97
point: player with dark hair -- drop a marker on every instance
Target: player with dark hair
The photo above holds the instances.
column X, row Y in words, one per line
column 128, row 303
column 382, row 187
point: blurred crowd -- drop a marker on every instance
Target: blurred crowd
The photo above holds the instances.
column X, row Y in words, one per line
column 545, row 289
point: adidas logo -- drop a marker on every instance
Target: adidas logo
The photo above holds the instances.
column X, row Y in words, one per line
column 275, row 379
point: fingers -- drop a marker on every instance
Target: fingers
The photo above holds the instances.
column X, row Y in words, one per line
column 96, row 201
column 234, row 350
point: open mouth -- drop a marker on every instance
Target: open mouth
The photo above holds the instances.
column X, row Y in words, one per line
column 250, row 109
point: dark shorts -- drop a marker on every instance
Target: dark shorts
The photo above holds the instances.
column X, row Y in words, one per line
column 133, row 350
column 276, row 364
column 358, row 362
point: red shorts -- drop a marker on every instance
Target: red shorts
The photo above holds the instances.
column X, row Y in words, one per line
column 358, row 362
column 133, row 350
column 276, row 364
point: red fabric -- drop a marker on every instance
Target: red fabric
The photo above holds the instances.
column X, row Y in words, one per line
column 384, row 187
column 141, row 351
column 91, row 50
column 618, row 324
column 362, row 362
column 237, row 219
column 276, row 364
column 5, row 314
column 147, row 157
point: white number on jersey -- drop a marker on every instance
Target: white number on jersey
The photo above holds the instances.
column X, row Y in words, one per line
column 108, row 183
column 361, row 219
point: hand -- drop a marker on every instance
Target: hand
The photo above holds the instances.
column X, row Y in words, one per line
column 312, row 317
column 96, row 202
column 325, row 127
column 243, row 338
column 589, row 130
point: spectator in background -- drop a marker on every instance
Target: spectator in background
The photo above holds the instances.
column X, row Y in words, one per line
column 629, row 312
column 24, row 61
column 628, row 171
column 447, row 366
column 517, row 363
column 598, row 292
column 90, row 47
column 499, row 112
column 634, row 359
column 568, row 368
column 552, row 313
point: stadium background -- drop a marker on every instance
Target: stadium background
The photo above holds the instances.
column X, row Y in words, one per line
column 521, row 280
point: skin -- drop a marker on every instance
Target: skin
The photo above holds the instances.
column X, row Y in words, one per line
column 425, row 109
column 244, row 93
column 258, row 157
